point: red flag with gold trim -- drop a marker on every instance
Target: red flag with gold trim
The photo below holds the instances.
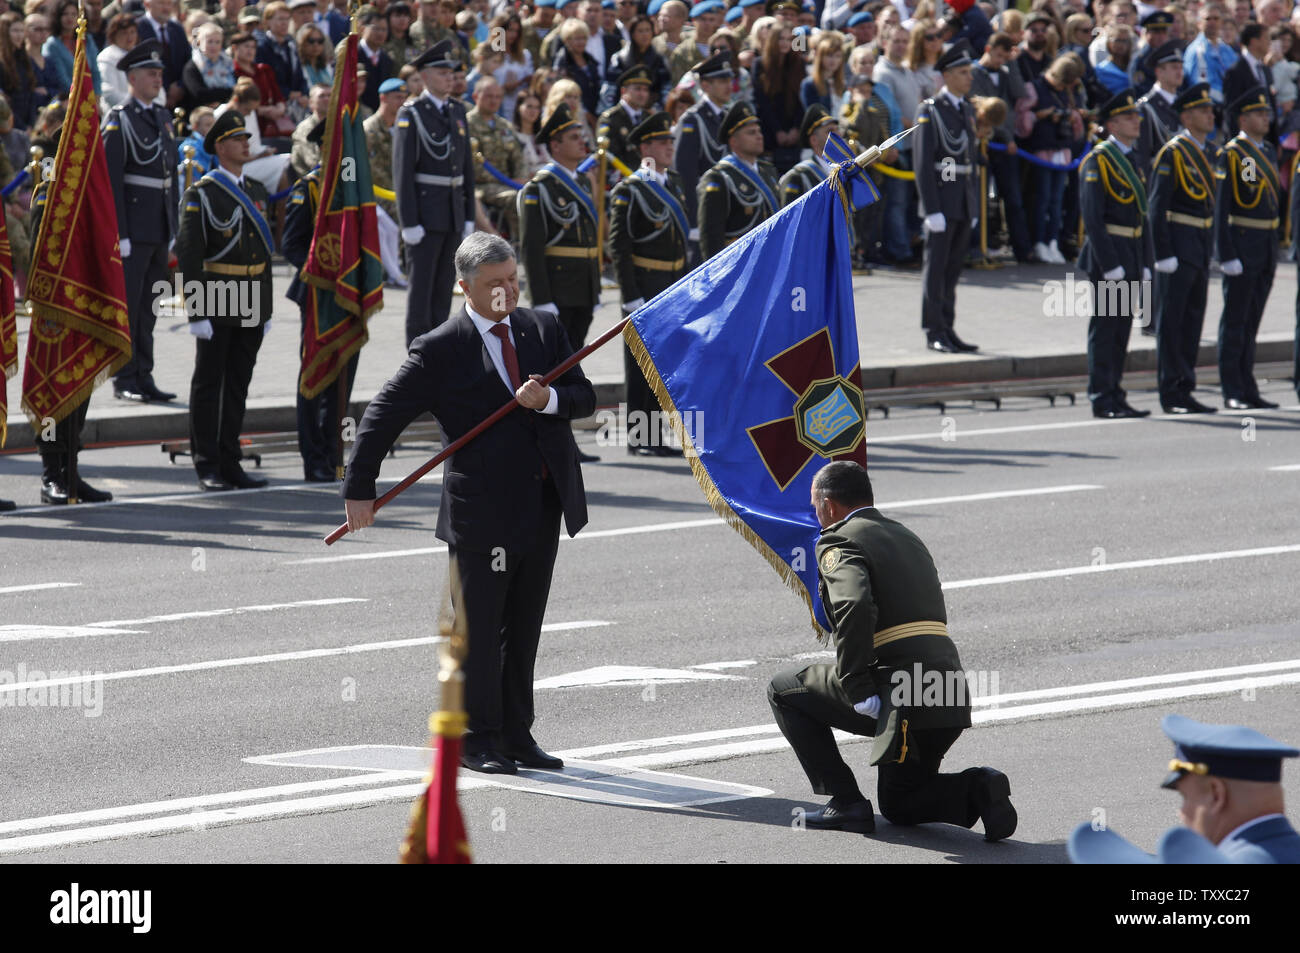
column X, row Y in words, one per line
column 79, row 333
column 8, row 326
column 343, row 267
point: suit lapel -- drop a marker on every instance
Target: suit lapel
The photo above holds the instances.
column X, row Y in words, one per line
column 528, row 346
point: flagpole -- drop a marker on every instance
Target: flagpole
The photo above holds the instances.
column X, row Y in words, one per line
column 499, row 413
column 74, row 437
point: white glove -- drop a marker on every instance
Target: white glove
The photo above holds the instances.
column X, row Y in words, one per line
column 870, row 707
column 201, row 329
column 1146, row 273
column 266, row 327
column 413, row 235
column 936, row 222
column 1115, row 274
column 1168, row 265
column 694, row 235
column 549, row 309
column 465, row 233
column 1232, row 268
column 974, row 222
column 633, row 305
column 124, row 245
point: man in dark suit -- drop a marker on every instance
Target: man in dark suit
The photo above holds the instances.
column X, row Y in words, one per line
column 157, row 24
column 433, row 176
column 141, row 158
column 378, row 63
column 897, row 676
column 947, row 181
column 1249, row 71
column 502, row 494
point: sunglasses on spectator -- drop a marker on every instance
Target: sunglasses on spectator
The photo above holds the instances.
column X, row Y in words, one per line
column 312, row 41
column 931, row 36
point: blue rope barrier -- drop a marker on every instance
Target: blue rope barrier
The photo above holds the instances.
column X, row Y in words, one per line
column 15, row 184
column 587, row 164
column 279, row 195
column 1034, row 160
column 502, row 177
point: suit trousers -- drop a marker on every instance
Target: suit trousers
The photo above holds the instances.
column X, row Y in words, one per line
column 1108, row 335
column 945, row 253
column 1244, row 298
column 1180, row 296
column 318, row 421
column 504, row 600
column 144, row 268
column 576, row 323
column 223, row 367
column 433, row 273
column 913, row 792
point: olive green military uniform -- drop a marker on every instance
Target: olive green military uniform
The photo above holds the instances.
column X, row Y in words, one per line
column 379, row 144
column 731, row 203
column 494, row 141
column 880, row 589
column 423, row 37
column 803, row 177
column 684, row 58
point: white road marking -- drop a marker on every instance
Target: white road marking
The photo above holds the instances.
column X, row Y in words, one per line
column 246, row 660
column 86, row 508
column 707, row 521
column 1117, row 567
column 603, row 675
column 27, row 633
column 716, row 666
column 1284, row 467
column 38, row 585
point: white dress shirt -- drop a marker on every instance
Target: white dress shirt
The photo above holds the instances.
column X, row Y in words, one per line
column 493, row 345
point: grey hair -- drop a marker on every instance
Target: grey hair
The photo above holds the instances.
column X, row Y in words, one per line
column 481, row 248
column 845, row 482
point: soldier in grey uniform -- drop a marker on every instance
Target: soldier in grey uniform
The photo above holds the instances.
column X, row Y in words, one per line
column 947, row 181
column 648, row 231
column 141, row 158
column 433, row 175
column 809, row 173
column 739, row 193
column 700, row 143
column 1159, row 120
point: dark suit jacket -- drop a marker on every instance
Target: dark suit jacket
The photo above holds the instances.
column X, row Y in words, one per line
column 492, row 491
column 1236, row 82
column 176, row 49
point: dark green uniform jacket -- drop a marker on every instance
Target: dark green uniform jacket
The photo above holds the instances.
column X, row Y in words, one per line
column 558, row 239
column 645, row 236
column 732, row 202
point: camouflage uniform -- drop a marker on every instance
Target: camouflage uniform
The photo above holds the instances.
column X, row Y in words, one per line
column 493, row 140
column 379, row 144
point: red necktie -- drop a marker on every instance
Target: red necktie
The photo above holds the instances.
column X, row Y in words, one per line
column 508, row 354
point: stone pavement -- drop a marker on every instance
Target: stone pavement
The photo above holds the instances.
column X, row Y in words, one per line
column 1008, row 312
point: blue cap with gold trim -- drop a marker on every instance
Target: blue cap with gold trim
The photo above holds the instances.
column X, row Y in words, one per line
column 959, row 54
column 1193, row 97
column 1171, row 52
column 717, row 66
column 1223, row 751
column 147, row 54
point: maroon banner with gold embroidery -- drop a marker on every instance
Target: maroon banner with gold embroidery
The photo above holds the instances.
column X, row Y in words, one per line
column 8, row 326
column 79, row 333
column 343, row 266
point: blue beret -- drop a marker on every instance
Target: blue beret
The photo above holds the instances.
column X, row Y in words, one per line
column 802, row 31
column 393, row 85
column 750, row 3
column 546, row 3
column 734, row 14
column 654, row 7
column 608, row 5
column 861, row 17
column 706, row 6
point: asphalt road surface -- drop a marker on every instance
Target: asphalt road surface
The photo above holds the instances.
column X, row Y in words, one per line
column 201, row 678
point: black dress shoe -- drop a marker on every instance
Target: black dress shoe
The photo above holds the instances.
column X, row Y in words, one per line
column 942, row 343
column 856, row 816
column 640, row 451
column 7, row 505
column 1259, row 403
column 1233, row 403
column 663, row 450
column 587, row 457
column 242, row 481
column 151, row 391
column 126, row 393
column 53, row 492
column 1131, row 411
column 992, row 792
column 534, row 757
column 213, row 484
column 320, row 475
column 88, row 494
column 1188, row 405
column 1108, row 412
column 488, row 762
column 961, row 345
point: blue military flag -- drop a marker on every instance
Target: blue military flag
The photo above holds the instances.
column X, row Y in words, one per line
column 754, row 356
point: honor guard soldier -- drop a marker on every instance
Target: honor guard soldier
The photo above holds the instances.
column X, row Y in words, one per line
column 225, row 243
column 59, row 453
column 648, row 231
column 433, row 175
column 1117, row 252
column 701, row 144
column 318, row 417
column 141, row 157
column 1233, row 806
column 739, row 193
column 496, row 143
column 947, row 181
column 1159, row 118
column 558, row 230
column 1247, row 211
column 619, row 120
column 1182, row 226
column 807, row 174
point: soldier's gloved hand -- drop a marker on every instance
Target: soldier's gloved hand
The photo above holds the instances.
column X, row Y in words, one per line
column 1232, row 268
column 468, row 231
column 549, row 309
column 1167, row 266
column 266, row 327
column 124, row 245
column 201, row 329
column 694, row 235
column 936, row 222
column 1115, row 274
column 413, row 235
column 633, row 305
column 870, row 707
